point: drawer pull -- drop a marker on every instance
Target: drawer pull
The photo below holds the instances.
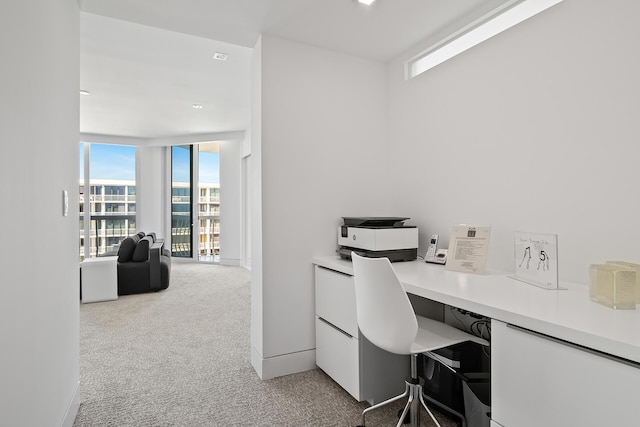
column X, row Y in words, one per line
column 335, row 327
column 334, row 271
column 577, row 346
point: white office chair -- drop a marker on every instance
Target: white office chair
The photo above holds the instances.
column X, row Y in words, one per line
column 386, row 318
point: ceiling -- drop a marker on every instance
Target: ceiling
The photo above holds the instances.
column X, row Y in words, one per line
column 146, row 62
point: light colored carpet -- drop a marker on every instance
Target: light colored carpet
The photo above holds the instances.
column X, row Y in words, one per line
column 181, row 357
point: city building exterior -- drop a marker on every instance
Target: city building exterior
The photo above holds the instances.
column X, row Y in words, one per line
column 112, row 207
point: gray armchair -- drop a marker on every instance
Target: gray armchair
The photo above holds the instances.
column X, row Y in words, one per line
column 143, row 265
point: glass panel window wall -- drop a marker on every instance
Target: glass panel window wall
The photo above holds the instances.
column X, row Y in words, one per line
column 181, row 201
column 209, row 202
column 110, row 206
column 195, row 201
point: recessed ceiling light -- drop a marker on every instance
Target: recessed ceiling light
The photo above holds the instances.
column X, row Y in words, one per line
column 220, row 56
column 85, row 92
column 367, row 2
column 197, row 106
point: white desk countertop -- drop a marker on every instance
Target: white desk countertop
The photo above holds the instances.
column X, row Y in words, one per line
column 568, row 314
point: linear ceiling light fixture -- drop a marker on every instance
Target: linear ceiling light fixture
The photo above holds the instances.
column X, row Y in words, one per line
column 367, row 2
column 502, row 18
column 84, row 92
column 197, row 106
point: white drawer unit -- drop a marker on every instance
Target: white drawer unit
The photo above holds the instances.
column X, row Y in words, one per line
column 542, row 381
column 337, row 354
column 336, row 300
column 363, row 370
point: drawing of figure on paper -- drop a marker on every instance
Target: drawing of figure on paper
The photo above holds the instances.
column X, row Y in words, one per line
column 544, row 261
column 527, row 256
column 535, row 258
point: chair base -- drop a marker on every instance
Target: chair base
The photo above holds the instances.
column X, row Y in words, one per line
column 415, row 398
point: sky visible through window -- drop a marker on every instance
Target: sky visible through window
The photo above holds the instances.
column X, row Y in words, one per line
column 118, row 162
column 209, row 168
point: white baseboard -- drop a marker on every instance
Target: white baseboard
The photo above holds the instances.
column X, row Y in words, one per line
column 256, row 362
column 230, row 261
column 284, row 364
column 72, row 409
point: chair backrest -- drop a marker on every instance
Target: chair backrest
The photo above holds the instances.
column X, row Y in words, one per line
column 385, row 314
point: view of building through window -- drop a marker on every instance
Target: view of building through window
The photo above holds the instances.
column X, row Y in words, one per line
column 205, row 190
column 209, row 202
column 110, row 198
column 181, row 201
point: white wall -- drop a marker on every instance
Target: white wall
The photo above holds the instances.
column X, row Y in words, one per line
column 231, row 240
column 246, row 211
column 319, row 157
column 153, row 175
column 247, row 193
column 39, row 317
column 151, row 184
column 534, row 130
column 255, row 215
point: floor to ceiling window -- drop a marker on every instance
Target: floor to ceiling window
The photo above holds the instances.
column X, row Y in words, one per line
column 181, row 201
column 108, row 201
column 107, row 189
column 209, row 202
column 195, row 202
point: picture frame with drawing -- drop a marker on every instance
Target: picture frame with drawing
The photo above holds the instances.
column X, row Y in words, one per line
column 536, row 259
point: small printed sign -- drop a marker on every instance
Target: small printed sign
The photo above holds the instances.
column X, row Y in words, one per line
column 468, row 248
column 536, row 259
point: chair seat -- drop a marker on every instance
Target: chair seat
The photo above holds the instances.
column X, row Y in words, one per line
column 433, row 335
column 386, row 318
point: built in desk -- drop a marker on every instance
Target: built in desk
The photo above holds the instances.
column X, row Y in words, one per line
column 557, row 358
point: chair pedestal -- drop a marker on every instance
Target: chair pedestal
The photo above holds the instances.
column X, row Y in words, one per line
column 413, row 393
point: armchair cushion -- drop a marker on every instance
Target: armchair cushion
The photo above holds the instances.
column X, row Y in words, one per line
column 141, row 252
column 127, row 247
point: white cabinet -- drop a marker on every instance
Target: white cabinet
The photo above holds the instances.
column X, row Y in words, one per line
column 362, row 369
column 99, row 278
column 336, row 300
column 541, row 381
column 338, row 354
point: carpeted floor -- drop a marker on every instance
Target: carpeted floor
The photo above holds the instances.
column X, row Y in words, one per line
column 181, row 357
